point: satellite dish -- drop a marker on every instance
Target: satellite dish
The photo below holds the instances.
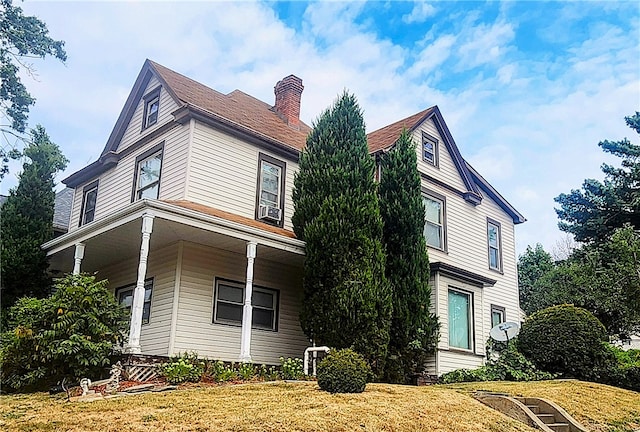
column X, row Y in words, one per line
column 505, row 331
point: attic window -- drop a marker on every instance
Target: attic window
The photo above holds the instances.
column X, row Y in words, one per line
column 151, row 108
column 430, row 150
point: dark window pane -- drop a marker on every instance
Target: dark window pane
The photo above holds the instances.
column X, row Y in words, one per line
column 229, row 312
column 230, row 293
column 263, row 318
column 263, row 299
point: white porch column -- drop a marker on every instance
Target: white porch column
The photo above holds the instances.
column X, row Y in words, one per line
column 133, row 346
column 247, row 311
column 77, row 258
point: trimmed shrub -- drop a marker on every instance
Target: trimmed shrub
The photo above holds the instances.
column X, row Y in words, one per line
column 567, row 340
column 343, row 371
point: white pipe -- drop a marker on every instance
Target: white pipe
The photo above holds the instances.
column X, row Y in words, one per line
column 313, row 349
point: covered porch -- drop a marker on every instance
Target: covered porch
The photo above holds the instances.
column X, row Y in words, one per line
column 196, row 279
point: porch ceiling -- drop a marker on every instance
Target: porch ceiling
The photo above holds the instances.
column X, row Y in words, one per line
column 122, row 242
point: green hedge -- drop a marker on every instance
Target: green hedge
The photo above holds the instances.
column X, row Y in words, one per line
column 567, row 340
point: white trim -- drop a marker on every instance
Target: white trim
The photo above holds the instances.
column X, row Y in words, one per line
column 247, row 311
column 187, row 174
column 78, row 255
column 176, row 298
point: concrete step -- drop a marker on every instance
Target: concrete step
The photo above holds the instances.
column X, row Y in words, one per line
column 547, row 418
column 534, row 408
column 559, row 427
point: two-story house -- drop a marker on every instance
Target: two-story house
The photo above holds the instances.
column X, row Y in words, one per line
column 187, row 213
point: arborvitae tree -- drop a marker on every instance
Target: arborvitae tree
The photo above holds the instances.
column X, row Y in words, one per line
column 347, row 300
column 27, row 221
column 533, row 264
column 414, row 330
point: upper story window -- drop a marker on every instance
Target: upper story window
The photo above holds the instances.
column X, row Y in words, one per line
column 429, row 149
column 125, row 298
column 270, row 189
column 434, row 224
column 151, row 108
column 497, row 315
column 147, row 175
column 89, row 198
column 460, row 319
column 229, row 305
column 495, row 245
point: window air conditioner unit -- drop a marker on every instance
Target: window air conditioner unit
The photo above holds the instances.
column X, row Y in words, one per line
column 270, row 213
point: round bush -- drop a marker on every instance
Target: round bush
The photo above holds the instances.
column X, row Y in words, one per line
column 565, row 339
column 343, row 371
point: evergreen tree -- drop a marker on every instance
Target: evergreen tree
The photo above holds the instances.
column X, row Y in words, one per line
column 347, row 299
column 27, row 221
column 414, row 330
column 591, row 214
column 532, row 265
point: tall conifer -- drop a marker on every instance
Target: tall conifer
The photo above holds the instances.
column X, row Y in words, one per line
column 347, row 299
column 27, row 221
column 414, row 329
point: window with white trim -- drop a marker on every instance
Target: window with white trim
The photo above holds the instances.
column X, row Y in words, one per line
column 434, row 225
column 494, row 245
column 125, row 298
column 429, row 150
column 460, row 319
column 229, row 305
column 270, row 190
column 148, row 176
column 151, row 108
column 497, row 315
column 89, row 198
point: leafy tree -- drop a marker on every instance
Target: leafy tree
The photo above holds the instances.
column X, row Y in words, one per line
column 532, row 265
column 27, row 221
column 21, row 38
column 603, row 278
column 347, row 300
column 414, row 330
column 594, row 212
column 71, row 334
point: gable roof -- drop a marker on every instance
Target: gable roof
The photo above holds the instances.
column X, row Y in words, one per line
column 385, row 138
column 235, row 111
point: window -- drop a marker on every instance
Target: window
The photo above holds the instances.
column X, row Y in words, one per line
column 151, row 108
column 89, row 197
column 147, row 176
column 229, row 305
column 270, row 197
column 497, row 315
column 430, row 149
column 125, row 298
column 434, row 221
column 494, row 244
column 460, row 320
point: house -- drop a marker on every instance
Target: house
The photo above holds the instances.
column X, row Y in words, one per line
column 187, row 213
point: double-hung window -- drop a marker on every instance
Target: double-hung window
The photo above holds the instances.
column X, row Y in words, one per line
column 434, row 225
column 429, row 150
column 151, row 108
column 89, row 198
column 229, row 305
column 147, row 177
column 494, row 245
column 460, row 319
column 270, row 197
column 125, row 298
column 497, row 315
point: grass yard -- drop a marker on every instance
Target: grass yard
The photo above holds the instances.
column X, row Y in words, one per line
column 303, row 407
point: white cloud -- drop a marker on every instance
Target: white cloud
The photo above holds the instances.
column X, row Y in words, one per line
column 421, row 11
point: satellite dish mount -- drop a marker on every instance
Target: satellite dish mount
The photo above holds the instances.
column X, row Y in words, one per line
column 504, row 332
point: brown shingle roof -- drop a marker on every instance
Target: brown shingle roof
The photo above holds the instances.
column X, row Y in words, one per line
column 238, row 107
column 388, row 135
column 232, row 217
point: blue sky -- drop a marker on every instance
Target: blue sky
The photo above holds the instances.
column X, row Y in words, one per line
column 528, row 89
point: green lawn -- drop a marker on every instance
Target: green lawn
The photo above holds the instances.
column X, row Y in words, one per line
column 303, row 407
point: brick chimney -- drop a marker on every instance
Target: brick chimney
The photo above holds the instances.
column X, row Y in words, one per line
column 288, row 93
